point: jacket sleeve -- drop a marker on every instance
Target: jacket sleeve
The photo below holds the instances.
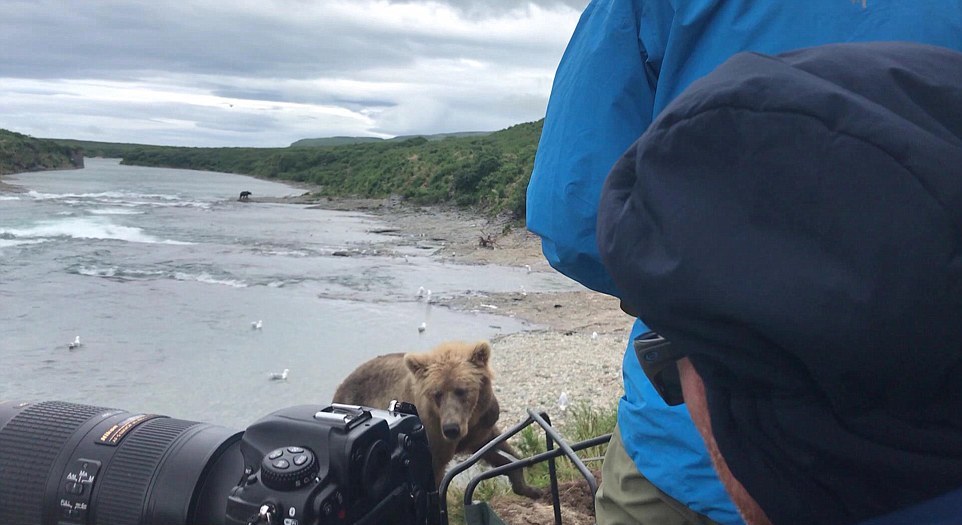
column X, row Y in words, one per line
column 601, row 101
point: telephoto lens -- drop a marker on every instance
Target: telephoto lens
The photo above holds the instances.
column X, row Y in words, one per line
column 64, row 463
column 70, row 464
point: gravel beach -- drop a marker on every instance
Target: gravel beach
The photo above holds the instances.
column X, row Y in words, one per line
column 578, row 350
column 580, row 346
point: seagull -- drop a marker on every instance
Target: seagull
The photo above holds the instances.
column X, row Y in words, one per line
column 279, row 376
column 594, row 335
column 422, row 328
column 257, row 325
column 524, row 293
column 428, row 296
column 527, row 267
column 420, row 292
column 563, row 401
column 75, row 343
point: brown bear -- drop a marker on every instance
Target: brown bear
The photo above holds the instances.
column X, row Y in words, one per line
column 451, row 387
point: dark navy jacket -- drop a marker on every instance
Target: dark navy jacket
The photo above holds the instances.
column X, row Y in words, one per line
column 793, row 225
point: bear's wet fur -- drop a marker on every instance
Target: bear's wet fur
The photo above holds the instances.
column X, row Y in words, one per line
column 451, row 387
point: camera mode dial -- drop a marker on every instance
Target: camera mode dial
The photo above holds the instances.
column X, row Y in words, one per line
column 288, row 468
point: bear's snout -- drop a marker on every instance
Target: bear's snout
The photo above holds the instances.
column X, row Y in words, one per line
column 451, row 431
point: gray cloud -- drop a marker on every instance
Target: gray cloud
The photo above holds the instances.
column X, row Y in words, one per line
column 122, row 39
column 267, row 72
column 487, row 8
column 126, row 39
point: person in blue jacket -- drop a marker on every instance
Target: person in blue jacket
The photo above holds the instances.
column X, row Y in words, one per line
column 791, row 228
column 626, row 60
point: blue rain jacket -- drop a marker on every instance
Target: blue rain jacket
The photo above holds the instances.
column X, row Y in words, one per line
column 625, row 62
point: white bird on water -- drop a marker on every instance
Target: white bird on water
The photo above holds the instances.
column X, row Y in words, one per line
column 75, row 343
column 279, row 376
column 424, row 294
column 257, row 325
column 422, row 328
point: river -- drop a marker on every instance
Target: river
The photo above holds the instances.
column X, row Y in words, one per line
column 161, row 273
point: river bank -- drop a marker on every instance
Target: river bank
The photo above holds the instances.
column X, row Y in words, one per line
column 578, row 349
column 582, row 337
column 9, row 188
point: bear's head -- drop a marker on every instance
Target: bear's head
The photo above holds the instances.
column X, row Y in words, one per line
column 453, row 384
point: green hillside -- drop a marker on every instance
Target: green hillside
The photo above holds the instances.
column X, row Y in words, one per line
column 345, row 141
column 488, row 171
column 110, row 150
column 19, row 153
column 334, row 141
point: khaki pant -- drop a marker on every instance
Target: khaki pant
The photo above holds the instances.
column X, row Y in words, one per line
column 625, row 497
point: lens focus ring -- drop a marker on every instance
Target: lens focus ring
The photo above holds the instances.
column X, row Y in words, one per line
column 29, row 445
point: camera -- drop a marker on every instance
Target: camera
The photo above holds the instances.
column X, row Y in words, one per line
column 71, row 464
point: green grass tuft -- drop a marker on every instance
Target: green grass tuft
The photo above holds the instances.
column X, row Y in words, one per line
column 582, row 422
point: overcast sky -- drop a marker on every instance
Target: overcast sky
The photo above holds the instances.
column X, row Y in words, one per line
column 269, row 72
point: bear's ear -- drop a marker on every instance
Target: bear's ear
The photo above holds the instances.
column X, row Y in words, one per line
column 416, row 363
column 481, row 354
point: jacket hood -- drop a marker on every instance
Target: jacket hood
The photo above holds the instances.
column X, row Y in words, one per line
column 794, row 223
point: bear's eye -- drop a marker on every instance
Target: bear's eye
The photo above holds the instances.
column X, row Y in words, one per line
column 437, row 396
column 460, row 392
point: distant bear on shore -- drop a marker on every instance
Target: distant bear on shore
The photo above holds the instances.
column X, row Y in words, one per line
column 451, row 387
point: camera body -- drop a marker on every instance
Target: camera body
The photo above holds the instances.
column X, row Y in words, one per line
column 341, row 464
column 70, row 464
